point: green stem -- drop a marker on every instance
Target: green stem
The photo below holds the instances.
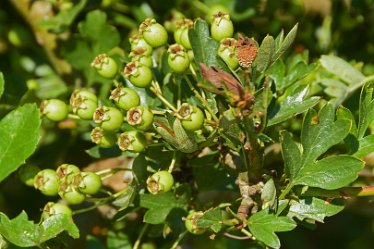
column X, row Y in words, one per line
column 201, row 6
column 286, row 191
column 155, row 90
column 180, row 237
column 73, row 116
column 202, row 100
column 137, row 242
column 246, row 233
column 172, row 164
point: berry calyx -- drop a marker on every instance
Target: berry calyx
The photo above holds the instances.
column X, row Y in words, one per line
column 54, row 109
column 133, row 141
column 178, row 58
column 140, row 56
column 138, row 74
column 108, row 118
column 137, row 42
column 160, row 182
column 125, row 98
column 154, row 33
column 106, row 66
column 181, row 32
column 141, row 117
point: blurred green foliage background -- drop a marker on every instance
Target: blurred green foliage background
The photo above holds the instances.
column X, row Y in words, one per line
column 58, row 60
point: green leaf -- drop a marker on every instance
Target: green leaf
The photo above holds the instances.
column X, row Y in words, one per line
column 285, row 43
column 269, row 194
column 365, row 146
column 263, row 226
column 265, row 54
column 1, row 84
column 211, row 219
column 64, row 18
column 341, row 69
column 204, row 47
column 126, row 198
column 23, row 232
column 160, row 205
column 55, row 225
column 366, row 109
column 95, row 36
column 118, row 240
column 99, row 152
column 314, row 208
column 292, row 105
column 19, row 136
column 330, row 173
column 319, row 133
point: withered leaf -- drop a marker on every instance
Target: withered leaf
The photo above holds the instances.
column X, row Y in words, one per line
column 222, row 79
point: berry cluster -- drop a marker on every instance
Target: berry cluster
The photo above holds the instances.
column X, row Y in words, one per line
column 126, row 120
column 69, row 182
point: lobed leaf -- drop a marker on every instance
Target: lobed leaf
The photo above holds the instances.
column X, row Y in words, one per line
column 319, row 133
column 263, row 226
column 19, row 136
column 314, row 208
column 159, row 206
column 294, row 104
column 22, row 232
column 341, row 69
column 365, row 146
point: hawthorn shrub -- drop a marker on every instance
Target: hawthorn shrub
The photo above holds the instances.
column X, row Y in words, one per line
column 211, row 133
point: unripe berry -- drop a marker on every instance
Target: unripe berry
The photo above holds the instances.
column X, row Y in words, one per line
column 125, row 98
column 192, row 118
column 141, row 117
column 89, row 183
column 54, row 109
column 108, row 118
column 227, row 51
column 47, row 182
column 105, row 66
column 222, row 27
column 84, row 103
column 52, row 208
column 103, row 138
column 154, row 33
column 178, row 58
column 137, row 42
column 160, row 182
column 133, row 141
column 138, row 74
column 191, row 222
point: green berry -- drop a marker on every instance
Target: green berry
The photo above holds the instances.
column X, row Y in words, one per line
column 141, row 117
column 84, row 103
column 108, row 118
column 54, row 109
column 52, row 208
column 222, row 27
column 133, row 141
column 227, row 51
column 125, row 98
column 191, row 222
column 160, row 182
column 138, row 74
column 178, row 59
column 138, row 43
column 192, row 118
column 154, row 33
column 103, row 138
column 47, row 182
column 105, row 66
column 89, row 183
